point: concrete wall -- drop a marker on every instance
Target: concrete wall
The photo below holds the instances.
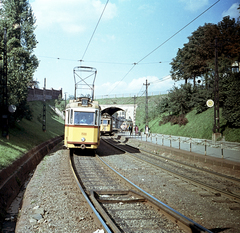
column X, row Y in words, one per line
column 37, row 94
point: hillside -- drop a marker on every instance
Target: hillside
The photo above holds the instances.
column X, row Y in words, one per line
column 28, row 134
column 198, row 126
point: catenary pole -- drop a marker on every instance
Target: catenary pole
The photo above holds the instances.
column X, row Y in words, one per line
column 146, row 106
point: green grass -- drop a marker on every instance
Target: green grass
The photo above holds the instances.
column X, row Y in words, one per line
column 28, row 134
column 198, row 126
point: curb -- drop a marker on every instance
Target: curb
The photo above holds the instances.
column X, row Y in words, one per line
column 192, row 156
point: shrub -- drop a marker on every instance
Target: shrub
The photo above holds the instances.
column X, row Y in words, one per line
column 173, row 119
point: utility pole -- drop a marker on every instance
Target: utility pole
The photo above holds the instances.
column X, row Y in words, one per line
column 216, row 126
column 134, row 113
column 146, row 106
column 65, row 99
column 44, row 107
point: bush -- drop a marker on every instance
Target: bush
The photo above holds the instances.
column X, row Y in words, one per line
column 182, row 120
column 173, row 119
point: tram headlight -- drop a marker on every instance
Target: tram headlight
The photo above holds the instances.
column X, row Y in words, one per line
column 83, row 139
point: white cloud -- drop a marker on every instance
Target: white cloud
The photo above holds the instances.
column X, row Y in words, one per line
column 71, row 15
column 194, row 5
column 136, row 87
column 233, row 12
column 147, row 8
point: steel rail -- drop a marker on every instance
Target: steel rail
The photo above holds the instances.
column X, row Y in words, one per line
column 186, row 178
column 94, row 211
column 179, row 218
column 233, row 179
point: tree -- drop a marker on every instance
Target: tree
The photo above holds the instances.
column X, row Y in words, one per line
column 18, row 19
column 197, row 58
column 180, row 99
column 231, row 104
column 191, row 60
column 178, row 70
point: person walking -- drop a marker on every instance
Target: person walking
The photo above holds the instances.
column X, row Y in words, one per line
column 136, row 130
column 146, row 130
column 130, row 129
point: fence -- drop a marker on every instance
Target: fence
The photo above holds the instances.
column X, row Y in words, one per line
column 128, row 95
column 221, row 149
column 38, row 94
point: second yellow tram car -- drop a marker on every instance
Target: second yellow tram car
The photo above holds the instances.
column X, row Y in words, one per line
column 106, row 124
column 82, row 124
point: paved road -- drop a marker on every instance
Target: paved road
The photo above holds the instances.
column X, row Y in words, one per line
column 221, row 149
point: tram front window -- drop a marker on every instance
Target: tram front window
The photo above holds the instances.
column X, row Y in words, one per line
column 104, row 122
column 83, row 118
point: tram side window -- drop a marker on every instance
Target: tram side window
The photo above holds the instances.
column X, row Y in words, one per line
column 66, row 117
column 97, row 118
column 71, row 117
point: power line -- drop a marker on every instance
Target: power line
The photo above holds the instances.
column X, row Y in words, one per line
column 58, row 58
column 134, row 64
column 95, row 30
column 123, row 78
column 102, row 62
column 162, row 80
column 178, row 31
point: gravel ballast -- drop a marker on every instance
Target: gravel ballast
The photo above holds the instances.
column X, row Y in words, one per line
column 53, row 204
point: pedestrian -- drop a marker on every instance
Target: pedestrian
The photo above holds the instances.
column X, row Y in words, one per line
column 146, row 130
column 136, row 130
column 130, row 129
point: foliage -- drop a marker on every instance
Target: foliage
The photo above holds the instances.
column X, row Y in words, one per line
column 200, row 98
column 197, row 59
column 163, row 105
column 191, row 60
column 180, row 120
column 16, row 17
column 180, row 99
column 59, row 103
column 231, row 105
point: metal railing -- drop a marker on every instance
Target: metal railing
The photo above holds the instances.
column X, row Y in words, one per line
column 221, row 149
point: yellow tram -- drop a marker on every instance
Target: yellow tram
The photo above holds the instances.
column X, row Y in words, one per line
column 106, row 124
column 82, row 124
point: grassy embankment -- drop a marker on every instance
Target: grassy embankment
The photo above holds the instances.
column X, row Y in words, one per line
column 198, row 126
column 28, row 134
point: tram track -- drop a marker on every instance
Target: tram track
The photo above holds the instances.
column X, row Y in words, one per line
column 121, row 206
column 223, row 185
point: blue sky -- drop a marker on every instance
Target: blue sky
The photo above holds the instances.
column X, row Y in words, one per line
column 128, row 31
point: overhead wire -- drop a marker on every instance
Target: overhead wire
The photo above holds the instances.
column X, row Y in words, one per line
column 161, row 80
column 178, row 31
column 102, row 62
column 134, row 64
column 95, row 30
